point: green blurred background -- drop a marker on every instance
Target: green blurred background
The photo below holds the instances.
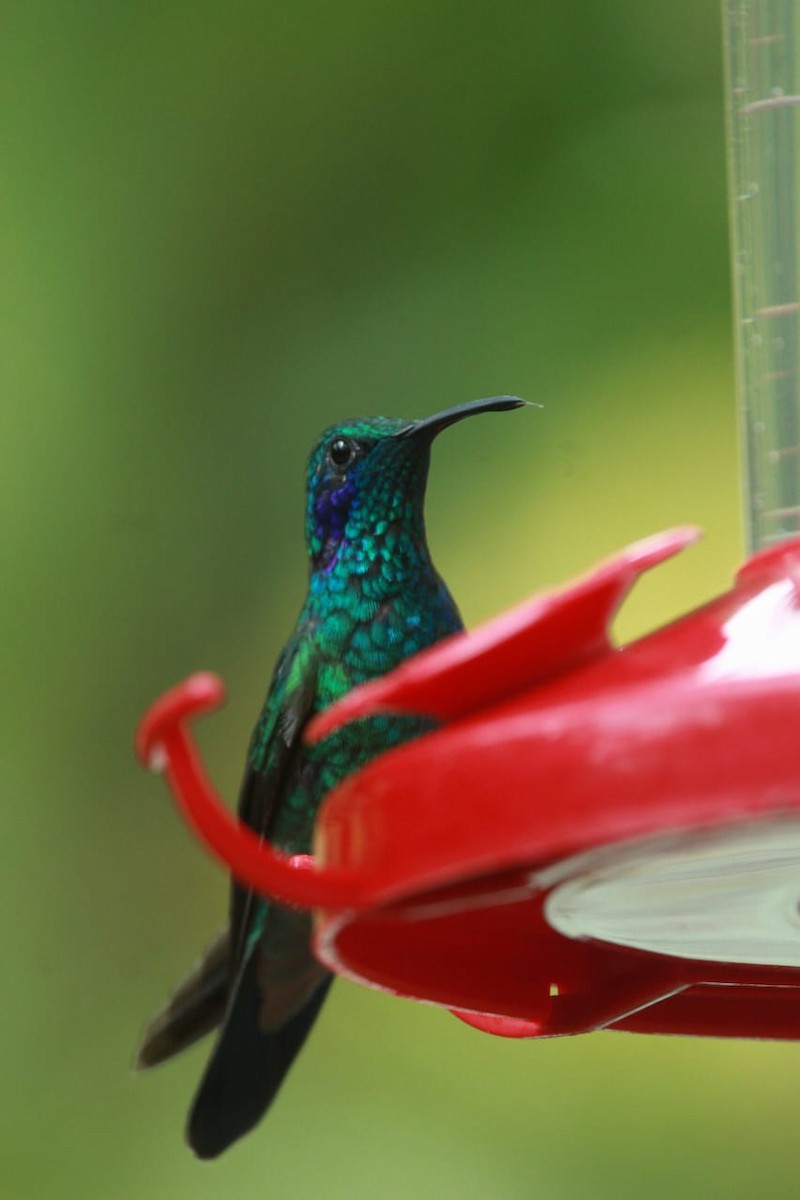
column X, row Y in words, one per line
column 224, row 227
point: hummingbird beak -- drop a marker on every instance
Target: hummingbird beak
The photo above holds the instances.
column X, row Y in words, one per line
column 428, row 427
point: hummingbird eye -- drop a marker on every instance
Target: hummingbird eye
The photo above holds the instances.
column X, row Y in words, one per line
column 341, row 453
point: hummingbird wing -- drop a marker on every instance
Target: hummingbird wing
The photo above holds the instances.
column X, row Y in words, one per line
column 198, row 1003
column 276, row 742
column 278, row 986
column 194, row 1008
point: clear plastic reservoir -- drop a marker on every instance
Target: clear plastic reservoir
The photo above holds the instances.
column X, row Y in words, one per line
column 763, row 97
column 727, row 894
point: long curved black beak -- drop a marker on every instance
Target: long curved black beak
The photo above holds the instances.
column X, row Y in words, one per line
column 430, row 426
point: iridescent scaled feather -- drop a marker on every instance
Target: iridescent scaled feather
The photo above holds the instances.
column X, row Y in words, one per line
column 374, row 599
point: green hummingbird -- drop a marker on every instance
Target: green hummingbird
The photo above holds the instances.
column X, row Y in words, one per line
column 374, row 598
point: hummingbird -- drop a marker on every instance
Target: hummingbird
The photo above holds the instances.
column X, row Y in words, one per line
column 374, row 599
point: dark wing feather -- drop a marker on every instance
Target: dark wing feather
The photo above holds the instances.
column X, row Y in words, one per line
column 275, row 743
column 194, row 1008
column 271, row 1006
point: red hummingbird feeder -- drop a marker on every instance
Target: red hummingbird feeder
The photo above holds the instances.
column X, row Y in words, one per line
column 594, row 836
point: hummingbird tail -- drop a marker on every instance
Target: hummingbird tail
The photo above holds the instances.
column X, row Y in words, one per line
column 247, row 1067
column 195, row 1008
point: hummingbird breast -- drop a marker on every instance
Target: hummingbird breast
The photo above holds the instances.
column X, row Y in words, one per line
column 357, row 638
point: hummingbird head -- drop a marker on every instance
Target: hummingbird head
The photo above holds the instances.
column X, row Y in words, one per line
column 366, row 488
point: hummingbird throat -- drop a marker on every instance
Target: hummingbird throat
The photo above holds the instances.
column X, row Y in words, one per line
column 331, row 515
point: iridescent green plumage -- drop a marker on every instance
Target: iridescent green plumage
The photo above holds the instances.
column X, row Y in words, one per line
column 374, row 599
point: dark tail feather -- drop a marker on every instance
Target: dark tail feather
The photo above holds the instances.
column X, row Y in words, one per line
column 247, row 1068
column 195, row 1008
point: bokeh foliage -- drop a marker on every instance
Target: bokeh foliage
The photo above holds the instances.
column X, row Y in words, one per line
column 224, row 227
